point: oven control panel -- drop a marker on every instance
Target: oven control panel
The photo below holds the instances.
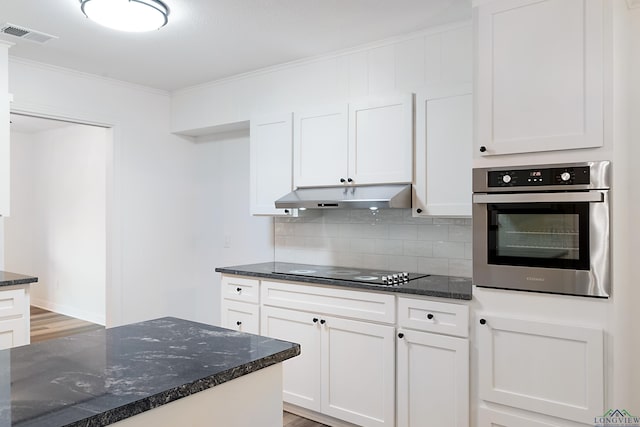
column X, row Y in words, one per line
column 539, row 177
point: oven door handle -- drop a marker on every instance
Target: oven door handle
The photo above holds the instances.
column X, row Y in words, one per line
column 591, row 196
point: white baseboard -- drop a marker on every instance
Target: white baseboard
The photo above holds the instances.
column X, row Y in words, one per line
column 315, row 416
column 98, row 318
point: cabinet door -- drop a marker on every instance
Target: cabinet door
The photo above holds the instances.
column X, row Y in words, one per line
column 320, row 146
column 13, row 333
column 381, row 140
column 301, row 375
column 271, row 157
column 4, row 130
column 553, row 369
column 539, row 86
column 358, row 371
column 444, row 135
column 433, row 380
column 241, row 316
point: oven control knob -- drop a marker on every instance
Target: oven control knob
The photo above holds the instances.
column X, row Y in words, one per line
column 565, row 176
column 506, row 178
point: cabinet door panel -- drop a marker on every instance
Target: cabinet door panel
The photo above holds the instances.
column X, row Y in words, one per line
column 444, row 144
column 552, row 369
column 13, row 333
column 358, row 372
column 433, row 380
column 241, row 316
column 301, row 375
column 320, row 146
column 381, row 140
column 540, row 87
column 271, row 157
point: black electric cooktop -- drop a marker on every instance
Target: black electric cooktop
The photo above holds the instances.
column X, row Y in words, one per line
column 375, row 277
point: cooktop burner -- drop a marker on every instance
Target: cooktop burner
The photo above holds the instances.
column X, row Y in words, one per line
column 374, row 277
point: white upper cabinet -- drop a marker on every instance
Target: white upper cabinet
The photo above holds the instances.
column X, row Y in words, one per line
column 444, row 135
column 381, row 140
column 539, row 75
column 320, row 146
column 270, row 148
column 365, row 142
column 4, row 129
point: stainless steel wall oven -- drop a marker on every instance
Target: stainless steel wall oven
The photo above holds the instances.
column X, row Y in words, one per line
column 543, row 228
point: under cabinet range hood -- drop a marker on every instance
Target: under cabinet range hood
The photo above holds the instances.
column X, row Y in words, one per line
column 353, row 197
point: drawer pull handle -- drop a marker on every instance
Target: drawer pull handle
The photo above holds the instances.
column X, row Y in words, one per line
column 238, row 290
column 400, row 335
column 483, row 321
column 238, row 323
column 315, row 320
column 322, row 322
column 429, row 316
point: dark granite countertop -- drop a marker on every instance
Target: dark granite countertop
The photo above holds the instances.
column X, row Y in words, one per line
column 11, row 279
column 432, row 285
column 101, row 377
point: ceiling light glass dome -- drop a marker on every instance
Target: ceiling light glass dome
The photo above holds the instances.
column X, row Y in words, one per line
column 127, row 15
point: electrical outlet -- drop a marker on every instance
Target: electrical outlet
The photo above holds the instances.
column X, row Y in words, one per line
column 227, row 241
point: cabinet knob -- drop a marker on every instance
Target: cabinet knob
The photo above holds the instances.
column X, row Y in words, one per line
column 322, row 322
column 238, row 323
column 400, row 335
column 315, row 320
column 483, row 321
column 238, row 290
column 419, row 210
column 342, row 180
column 286, row 211
column 349, row 180
column 429, row 316
column 483, row 149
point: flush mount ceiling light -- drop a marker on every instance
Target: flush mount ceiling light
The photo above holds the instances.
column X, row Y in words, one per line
column 127, row 15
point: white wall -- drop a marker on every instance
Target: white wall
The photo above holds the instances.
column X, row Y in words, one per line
column 222, row 212
column 57, row 230
column 151, row 188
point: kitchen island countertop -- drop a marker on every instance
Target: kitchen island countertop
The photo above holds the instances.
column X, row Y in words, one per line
column 430, row 285
column 102, row 377
column 11, row 279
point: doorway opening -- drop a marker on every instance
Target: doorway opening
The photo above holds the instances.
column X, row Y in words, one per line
column 57, row 230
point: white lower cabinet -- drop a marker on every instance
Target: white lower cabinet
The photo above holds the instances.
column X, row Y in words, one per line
column 546, row 368
column 433, row 380
column 14, row 316
column 346, row 367
column 240, row 309
column 432, row 368
column 241, row 316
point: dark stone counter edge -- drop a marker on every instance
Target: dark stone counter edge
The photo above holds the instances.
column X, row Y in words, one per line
column 15, row 282
column 151, row 402
column 348, row 284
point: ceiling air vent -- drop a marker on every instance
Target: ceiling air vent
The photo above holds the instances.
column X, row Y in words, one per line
column 26, row 33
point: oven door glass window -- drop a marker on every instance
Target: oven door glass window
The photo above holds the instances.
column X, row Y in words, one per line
column 548, row 235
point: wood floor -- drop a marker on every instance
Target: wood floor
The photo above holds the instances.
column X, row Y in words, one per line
column 46, row 325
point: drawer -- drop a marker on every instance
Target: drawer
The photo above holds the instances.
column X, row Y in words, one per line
column 432, row 316
column 323, row 300
column 12, row 303
column 13, row 333
column 240, row 289
column 241, row 316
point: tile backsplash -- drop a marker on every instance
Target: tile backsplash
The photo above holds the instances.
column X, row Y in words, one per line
column 386, row 239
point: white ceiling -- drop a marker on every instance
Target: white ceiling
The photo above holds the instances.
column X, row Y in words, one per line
column 210, row 39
